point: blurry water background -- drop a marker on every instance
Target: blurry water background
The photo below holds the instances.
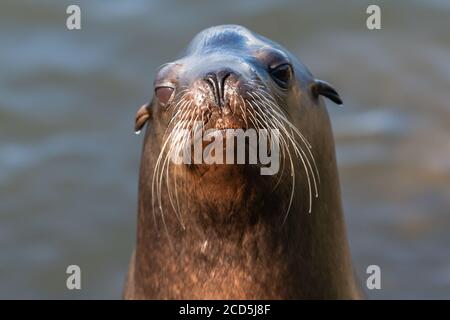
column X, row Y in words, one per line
column 69, row 159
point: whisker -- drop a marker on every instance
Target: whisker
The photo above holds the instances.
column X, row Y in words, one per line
column 278, row 119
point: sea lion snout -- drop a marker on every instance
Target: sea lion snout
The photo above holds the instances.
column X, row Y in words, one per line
column 216, row 81
column 218, row 96
column 223, row 85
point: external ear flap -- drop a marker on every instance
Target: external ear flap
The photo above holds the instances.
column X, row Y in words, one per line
column 325, row 89
column 142, row 116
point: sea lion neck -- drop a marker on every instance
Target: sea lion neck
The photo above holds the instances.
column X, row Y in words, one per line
column 216, row 255
column 248, row 255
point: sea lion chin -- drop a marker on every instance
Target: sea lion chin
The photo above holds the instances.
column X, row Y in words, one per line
column 234, row 230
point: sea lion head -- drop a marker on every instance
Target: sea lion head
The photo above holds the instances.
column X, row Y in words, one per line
column 224, row 70
column 231, row 78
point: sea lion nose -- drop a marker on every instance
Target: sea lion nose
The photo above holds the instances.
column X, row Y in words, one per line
column 216, row 81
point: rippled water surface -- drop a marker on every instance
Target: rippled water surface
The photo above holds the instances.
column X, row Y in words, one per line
column 69, row 158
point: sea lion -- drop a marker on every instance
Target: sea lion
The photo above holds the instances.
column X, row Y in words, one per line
column 225, row 231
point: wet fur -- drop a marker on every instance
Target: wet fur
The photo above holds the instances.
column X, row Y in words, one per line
column 249, row 253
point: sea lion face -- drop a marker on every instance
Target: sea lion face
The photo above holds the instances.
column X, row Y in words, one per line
column 232, row 78
column 222, row 79
column 224, row 71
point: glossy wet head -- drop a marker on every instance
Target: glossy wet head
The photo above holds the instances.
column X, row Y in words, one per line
column 220, row 76
column 225, row 75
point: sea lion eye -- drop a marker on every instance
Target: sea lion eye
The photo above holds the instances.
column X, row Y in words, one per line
column 164, row 94
column 282, row 74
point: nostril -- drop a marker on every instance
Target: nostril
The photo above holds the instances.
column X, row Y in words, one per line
column 216, row 81
column 221, row 78
column 211, row 80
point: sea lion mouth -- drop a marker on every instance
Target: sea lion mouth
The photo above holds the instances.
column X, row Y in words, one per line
column 222, row 121
column 227, row 110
